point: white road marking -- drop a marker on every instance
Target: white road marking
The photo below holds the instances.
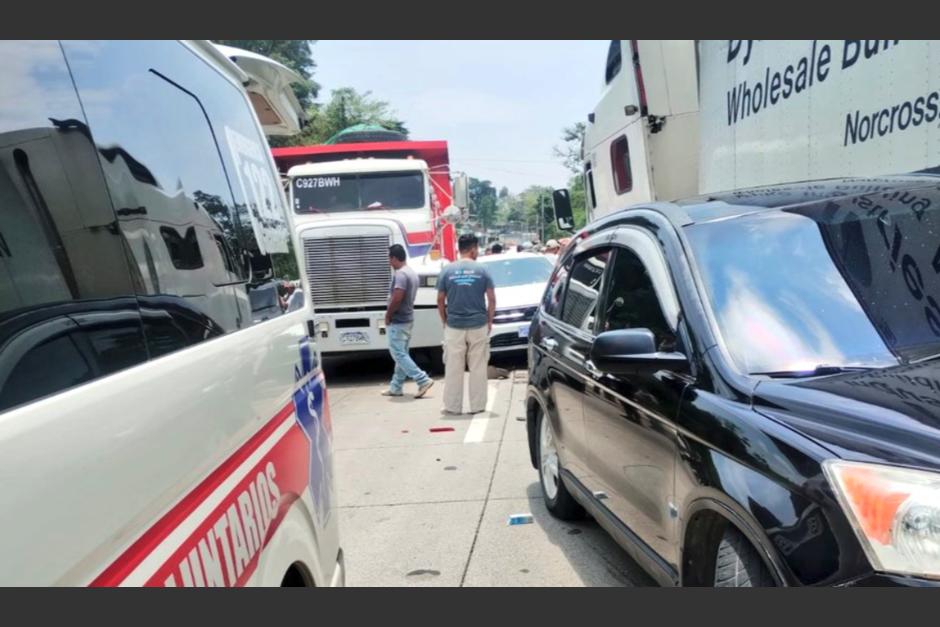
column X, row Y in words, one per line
column 477, row 429
column 490, row 397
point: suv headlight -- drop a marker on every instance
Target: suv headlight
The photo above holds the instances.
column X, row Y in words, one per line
column 895, row 513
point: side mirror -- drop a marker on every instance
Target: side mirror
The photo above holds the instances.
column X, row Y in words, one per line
column 452, row 214
column 633, row 351
column 564, row 217
column 461, row 191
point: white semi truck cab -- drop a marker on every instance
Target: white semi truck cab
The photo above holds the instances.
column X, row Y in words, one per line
column 347, row 214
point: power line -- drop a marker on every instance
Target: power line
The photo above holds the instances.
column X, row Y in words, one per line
column 512, row 160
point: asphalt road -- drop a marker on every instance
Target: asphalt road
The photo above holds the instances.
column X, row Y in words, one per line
column 431, row 508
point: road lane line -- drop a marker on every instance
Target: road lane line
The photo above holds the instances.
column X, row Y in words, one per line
column 477, row 429
column 490, row 396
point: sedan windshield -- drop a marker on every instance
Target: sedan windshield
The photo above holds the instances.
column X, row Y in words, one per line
column 856, row 284
column 509, row 272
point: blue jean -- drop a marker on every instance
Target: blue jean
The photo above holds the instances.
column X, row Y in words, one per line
column 399, row 337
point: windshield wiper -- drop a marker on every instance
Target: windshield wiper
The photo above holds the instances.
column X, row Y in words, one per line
column 818, row 371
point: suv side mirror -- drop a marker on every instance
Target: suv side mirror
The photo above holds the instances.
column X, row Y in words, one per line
column 564, row 217
column 633, row 351
column 461, row 196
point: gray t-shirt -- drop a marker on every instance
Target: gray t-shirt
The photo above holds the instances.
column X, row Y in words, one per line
column 404, row 279
column 465, row 282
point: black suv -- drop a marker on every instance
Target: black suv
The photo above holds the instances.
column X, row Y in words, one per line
column 744, row 389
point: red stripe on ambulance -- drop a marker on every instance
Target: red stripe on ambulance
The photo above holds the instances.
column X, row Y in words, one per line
column 224, row 547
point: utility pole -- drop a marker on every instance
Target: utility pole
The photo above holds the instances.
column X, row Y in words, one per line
column 542, row 200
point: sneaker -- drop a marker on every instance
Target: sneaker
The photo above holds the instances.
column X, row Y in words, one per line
column 424, row 387
column 448, row 412
column 391, row 393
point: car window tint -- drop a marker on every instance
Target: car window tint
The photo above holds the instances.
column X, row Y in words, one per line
column 34, row 376
column 551, row 301
column 191, row 178
column 583, row 291
column 631, row 301
column 61, row 258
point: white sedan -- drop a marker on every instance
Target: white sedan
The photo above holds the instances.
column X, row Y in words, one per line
column 520, row 281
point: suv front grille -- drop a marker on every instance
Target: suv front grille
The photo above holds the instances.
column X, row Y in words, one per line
column 508, row 339
column 347, row 270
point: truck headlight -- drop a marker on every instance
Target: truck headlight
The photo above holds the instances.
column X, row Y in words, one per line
column 895, row 513
column 427, row 280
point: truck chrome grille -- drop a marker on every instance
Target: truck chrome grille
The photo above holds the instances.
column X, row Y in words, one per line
column 347, row 270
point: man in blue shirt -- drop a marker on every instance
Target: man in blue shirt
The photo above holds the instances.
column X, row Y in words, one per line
column 466, row 301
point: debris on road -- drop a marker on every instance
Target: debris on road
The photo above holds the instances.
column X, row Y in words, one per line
column 440, row 429
column 494, row 372
column 520, row 519
column 424, row 572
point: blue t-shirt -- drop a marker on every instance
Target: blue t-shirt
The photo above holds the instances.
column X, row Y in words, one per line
column 465, row 282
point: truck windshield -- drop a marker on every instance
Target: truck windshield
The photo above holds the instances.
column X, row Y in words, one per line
column 331, row 193
column 856, row 284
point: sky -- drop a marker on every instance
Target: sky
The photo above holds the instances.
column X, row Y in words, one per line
column 501, row 105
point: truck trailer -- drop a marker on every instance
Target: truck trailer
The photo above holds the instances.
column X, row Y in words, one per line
column 679, row 118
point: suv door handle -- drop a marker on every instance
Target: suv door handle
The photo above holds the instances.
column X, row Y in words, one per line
column 548, row 344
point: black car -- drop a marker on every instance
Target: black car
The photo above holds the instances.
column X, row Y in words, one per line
column 744, row 389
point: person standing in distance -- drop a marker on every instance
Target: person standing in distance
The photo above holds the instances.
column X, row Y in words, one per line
column 399, row 320
column 466, row 301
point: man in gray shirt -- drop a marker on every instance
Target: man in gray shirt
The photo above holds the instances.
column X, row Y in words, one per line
column 466, row 301
column 399, row 320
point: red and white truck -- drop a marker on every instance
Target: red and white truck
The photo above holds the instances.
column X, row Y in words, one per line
column 351, row 201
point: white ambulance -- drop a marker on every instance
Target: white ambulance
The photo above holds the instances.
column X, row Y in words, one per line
column 151, row 432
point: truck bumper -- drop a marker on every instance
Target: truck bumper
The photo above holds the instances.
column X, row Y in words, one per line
column 361, row 331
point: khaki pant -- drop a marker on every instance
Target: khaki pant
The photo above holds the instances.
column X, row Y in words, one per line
column 470, row 348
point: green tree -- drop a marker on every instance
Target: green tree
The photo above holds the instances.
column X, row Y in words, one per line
column 570, row 151
column 346, row 108
column 570, row 155
column 483, row 203
column 294, row 53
